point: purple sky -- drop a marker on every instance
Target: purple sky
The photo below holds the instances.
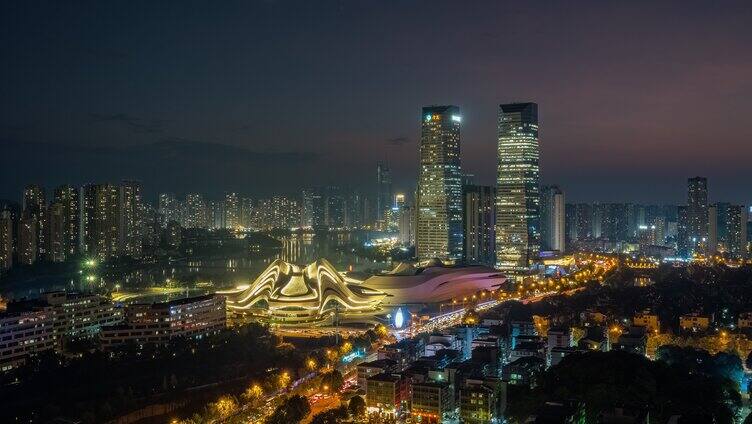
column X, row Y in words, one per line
column 634, row 97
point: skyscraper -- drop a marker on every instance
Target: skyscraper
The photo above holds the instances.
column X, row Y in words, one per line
column 68, row 197
column 517, row 188
column 383, row 190
column 479, row 219
column 439, row 197
column 552, row 218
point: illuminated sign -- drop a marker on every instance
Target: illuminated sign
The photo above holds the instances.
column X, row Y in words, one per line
column 456, row 118
column 428, row 118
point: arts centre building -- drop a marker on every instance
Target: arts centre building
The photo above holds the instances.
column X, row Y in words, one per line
column 290, row 294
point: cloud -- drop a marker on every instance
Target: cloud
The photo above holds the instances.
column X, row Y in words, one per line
column 398, row 141
column 131, row 123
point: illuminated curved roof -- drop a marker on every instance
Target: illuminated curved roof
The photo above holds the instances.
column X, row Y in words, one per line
column 289, row 292
column 434, row 282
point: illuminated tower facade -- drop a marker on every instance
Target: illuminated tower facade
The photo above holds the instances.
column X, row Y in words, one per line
column 439, row 232
column 517, row 188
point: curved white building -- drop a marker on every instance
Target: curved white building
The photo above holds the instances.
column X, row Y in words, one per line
column 288, row 293
column 433, row 282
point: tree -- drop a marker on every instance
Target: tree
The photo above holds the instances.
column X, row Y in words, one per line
column 332, row 380
column 253, row 393
column 357, row 406
column 721, row 365
column 224, row 407
column 603, row 381
column 291, row 411
column 332, row 416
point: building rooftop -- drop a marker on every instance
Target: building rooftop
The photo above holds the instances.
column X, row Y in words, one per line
column 389, row 378
column 379, row 363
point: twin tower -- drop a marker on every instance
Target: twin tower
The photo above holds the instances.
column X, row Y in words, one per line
column 439, row 220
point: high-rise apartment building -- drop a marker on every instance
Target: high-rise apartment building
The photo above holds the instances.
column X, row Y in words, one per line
column 195, row 211
column 232, row 210
column 6, row 240
column 517, row 188
column 27, row 239
column 439, row 199
column 696, row 216
column 479, row 224
column 727, row 229
column 334, row 212
column 34, row 208
column 68, row 198
column 217, row 214
column 100, row 220
column 313, row 208
column 246, row 212
column 169, row 208
column 130, row 219
column 56, row 234
column 552, row 218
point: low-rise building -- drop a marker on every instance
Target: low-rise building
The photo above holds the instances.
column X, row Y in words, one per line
column 369, row 369
column 81, row 315
column 429, row 401
column 158, row 323
column 24, row 334
column 745, row 320
column 594, row 339
column 403, row 352
column 523, row 371
column 74, row 315
column 648, row 320
column 695, row 322
column 558, row 353
column 532, row 348
column 385, row 394
column 633, row 340
column 482, row 401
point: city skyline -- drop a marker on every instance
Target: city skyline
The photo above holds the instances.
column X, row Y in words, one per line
column 614, row 130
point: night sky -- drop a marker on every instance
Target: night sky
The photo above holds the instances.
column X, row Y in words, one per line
column 268, row 96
